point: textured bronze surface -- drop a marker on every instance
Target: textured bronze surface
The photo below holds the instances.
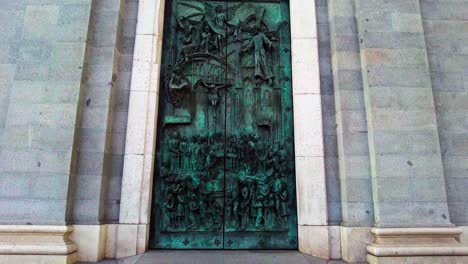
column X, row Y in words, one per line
column 224, row 173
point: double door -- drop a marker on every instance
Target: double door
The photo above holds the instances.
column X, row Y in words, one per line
column 224, row 173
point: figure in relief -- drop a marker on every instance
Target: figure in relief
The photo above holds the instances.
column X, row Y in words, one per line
column 178, row 85
column 259, row 43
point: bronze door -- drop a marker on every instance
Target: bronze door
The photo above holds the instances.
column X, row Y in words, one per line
column 224, row 174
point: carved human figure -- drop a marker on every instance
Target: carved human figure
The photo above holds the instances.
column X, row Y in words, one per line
column 174, row 149
column 210, row 163
column 184, row 153
column 180, row 211
column 252, row 155
column 258, row 208
column 207, row 39
column 169, row 205
column 263, row 70
column 194, row 207
column 178, row 85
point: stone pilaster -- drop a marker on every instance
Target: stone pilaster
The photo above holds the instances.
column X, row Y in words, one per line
column 46, row 53
column 353, row 147
column 408, row 181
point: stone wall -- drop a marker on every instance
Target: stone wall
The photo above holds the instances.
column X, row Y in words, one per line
column 446, row 33
column 329, row 117
column 105, row 109
column 351, row 126
column 42, row 47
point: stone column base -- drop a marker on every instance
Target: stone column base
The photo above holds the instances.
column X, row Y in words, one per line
column 36, row 244
column 417, row 245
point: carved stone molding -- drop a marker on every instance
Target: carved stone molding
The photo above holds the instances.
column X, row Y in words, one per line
column 417, row 245
column 36, row 244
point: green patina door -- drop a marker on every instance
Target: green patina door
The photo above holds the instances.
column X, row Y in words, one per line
column 224, row 174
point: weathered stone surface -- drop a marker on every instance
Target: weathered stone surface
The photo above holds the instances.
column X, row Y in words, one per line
column 446, row 31
column 353, row 150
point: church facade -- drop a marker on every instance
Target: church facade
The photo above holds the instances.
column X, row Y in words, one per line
column 337, row 128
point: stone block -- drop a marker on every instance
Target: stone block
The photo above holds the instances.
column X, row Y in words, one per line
column 355, row 166
column 50, row 138
column 439, row 27
column 358, row 214
column 321, row 12
column 344, row 26
column 422, row 166
column 351, row 100
column 14, row 186
column 398, row 142
column 345, row 43
column 454, row 144
column 95, row 118
column 403, row 120
column 356, row 190
column 33, row 210
column 91, row 242
column 73, row 22
column 416, row 245
column 407, row 22
column 49, row 187
column 99, row 74
column 395, row 57
column 375, row 21
column 126, row 240
column 384, row 76
column 341, row 8
column 305, row 66
column 455, row 166
column 401, row 99
column 448, row 81
column 392, row 40
column 458, row 212
column 353, row 122
column 60, row 92
column 354, row 241
column 90, row 163
column 356, row 143
column 425, row 192
column 444, row 10
column 334, row 212
column 451, row 101
column 37, row 244
column 100, row 55
column 311, row 191
column 406, row 214
column 111, row 241
column 86, row 212
column 39, row 21
column 397, row 6
column 315, row 241
column 88, row 187
column 307, row 134
column 349, row 79
column 303, row 22
column 392, row 189
column 105, row 22
column 107, row 5
column 131, row 183
column 346, row 61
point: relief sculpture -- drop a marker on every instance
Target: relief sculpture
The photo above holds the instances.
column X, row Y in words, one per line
column 225, row 162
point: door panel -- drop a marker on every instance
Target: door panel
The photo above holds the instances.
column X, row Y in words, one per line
column 260, row 188
column 224, row 174
column 188, row 200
